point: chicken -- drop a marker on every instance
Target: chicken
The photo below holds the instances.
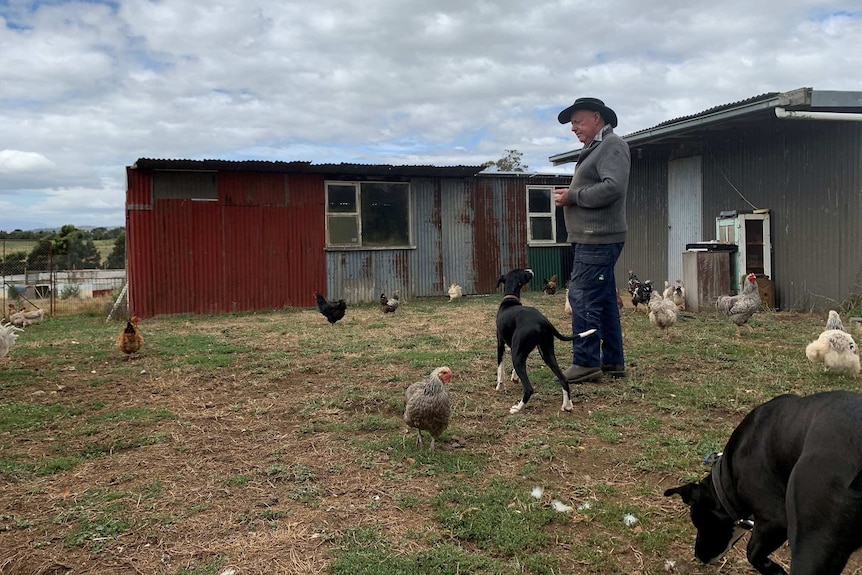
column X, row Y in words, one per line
column 426, row 404
column 662, row 312
column 739, row 308
column 678, row 295
column 25, row 317
column 834, row 321
column 389, row 305
column 668, row 290
column 640, row 291
column 331, row 310
column 549, row 286
column 837, row 350
column 130, row 340
column 567, row 306
column 8, row 336
column 454, row 292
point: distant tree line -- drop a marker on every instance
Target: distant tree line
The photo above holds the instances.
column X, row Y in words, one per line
column 67, row 249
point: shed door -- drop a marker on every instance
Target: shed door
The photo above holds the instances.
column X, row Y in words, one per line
column 684, row 213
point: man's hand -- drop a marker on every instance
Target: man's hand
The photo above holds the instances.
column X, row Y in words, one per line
column 561, row 196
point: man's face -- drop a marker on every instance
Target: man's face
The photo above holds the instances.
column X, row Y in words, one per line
column 586, row 124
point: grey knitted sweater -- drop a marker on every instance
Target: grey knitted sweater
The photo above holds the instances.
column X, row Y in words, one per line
column 596, row 213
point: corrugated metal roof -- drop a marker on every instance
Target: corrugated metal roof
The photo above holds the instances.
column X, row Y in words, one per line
column 307, row 167
column 714, row 110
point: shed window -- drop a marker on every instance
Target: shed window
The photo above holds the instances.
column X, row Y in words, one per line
column 367, row 214
column 545, row 222
column 185, row 186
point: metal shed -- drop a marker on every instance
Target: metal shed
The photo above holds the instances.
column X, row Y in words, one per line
column 797, row 154
column 215, row 236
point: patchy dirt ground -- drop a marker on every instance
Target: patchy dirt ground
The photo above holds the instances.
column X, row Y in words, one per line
column 251, row 444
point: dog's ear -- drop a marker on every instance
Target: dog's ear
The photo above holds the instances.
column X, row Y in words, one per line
column 689, row 492
column 500, row 281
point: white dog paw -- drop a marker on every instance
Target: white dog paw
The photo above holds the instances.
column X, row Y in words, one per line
column 516, row 408
column 499, row 386
column 567, row 407
column 515, row 376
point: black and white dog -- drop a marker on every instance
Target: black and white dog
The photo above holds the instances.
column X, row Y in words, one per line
column 794, row 467
column 523, row 329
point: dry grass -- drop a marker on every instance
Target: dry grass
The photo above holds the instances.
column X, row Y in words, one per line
column 261, row 443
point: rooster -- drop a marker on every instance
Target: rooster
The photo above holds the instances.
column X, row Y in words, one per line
column 426, row 404
column 331, row 310
column 662, row 312
column 130, row 340
column 835, row 348
column 739, row 308
column 389, row 305
column 455, row 291
column 549, row 286
column 8, row 336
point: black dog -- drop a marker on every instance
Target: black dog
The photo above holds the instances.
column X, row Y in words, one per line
column 523, row 329
column 794, row 466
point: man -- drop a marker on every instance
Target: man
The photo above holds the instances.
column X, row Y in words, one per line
column 595, row 213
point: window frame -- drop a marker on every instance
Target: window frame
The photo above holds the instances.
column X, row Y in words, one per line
column 357, row 213
column 554, row 215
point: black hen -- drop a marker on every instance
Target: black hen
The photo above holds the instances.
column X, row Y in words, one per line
column 332, row 310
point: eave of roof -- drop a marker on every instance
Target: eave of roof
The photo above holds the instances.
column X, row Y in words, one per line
column 307, row 168
column 802, row 98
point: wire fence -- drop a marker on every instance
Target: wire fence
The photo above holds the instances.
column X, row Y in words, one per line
column 39, row 279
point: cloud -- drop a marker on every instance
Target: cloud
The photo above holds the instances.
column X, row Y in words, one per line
column 89, row 87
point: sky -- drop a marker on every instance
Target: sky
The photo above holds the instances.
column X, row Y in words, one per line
column 87, row 88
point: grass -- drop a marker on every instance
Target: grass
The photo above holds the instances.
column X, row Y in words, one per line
column 274, row 443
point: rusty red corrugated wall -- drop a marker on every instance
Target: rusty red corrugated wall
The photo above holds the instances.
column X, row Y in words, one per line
column 259, row 247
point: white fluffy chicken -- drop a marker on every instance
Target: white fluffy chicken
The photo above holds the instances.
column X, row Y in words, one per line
column 739, row 308
column 662, row 312
column 835, row 348
column 25, row 317
column 426, row 404
column 455, row 291
column 678, row 295
column 833, row 321
column 8, row 335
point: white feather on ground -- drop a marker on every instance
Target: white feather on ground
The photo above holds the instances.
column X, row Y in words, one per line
column 426, row 404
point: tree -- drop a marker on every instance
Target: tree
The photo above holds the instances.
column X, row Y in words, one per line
column 511, row 162
column 116, row 260
column 75, row 250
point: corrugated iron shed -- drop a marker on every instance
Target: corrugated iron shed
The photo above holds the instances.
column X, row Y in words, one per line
column 254, row 235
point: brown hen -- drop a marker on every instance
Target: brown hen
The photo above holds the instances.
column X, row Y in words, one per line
column 427, row 404
column 130, row 340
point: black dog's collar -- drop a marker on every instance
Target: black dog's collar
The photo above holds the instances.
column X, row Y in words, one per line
column 724, row 499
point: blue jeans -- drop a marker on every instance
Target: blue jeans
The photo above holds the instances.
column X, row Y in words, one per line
column 593, row 297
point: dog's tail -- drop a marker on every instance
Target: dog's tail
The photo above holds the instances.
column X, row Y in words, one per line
column 562, row 337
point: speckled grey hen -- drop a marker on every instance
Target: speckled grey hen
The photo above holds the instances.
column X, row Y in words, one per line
column 427, row 405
